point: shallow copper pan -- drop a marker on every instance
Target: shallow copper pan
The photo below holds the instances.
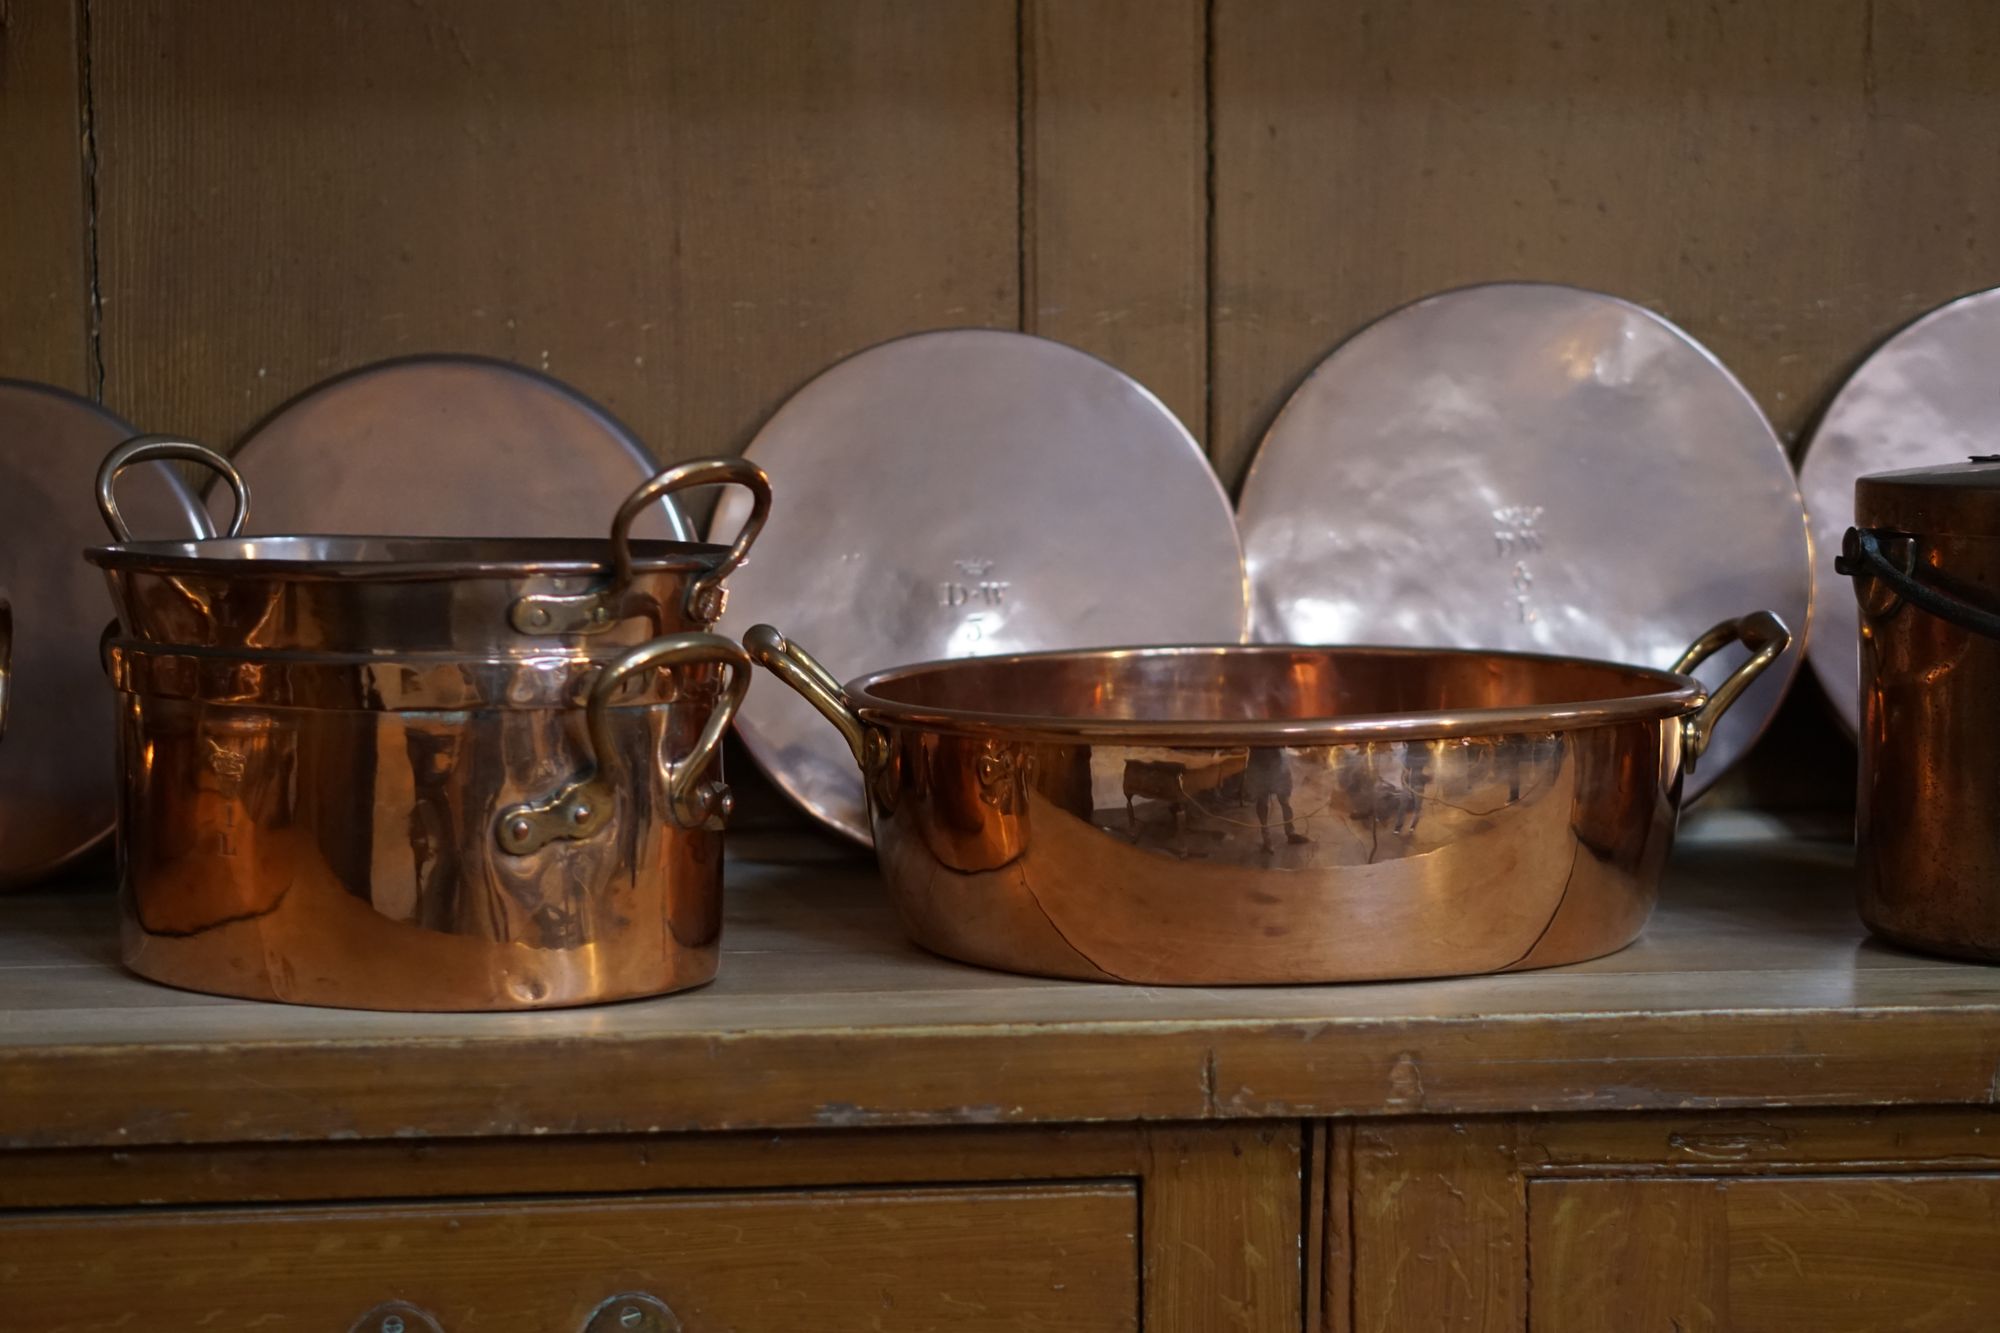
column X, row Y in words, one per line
column 1222, row 815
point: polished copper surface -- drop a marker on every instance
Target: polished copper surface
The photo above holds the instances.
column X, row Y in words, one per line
column 471, row 595
column 1533, row 467
column 1274, row 814
column 334, row 829
column 973, row 492
column 446, row 445
column 58, row 789
column 1926, row 832
column 1926, row 396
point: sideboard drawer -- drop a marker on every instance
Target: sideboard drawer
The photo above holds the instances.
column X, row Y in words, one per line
column 1826, row 1253
column 1060, row 1257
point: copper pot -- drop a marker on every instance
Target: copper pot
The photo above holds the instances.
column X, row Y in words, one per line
column 426, row 773
column 1274, row 814
column 365, row 594
column 424, row 833
column 1925, row 560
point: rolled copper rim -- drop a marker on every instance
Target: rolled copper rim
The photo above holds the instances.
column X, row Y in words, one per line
column 409, row 683
column 394, row 559
column 1658, row 695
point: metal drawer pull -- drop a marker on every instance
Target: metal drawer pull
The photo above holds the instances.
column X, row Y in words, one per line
column 396, row 1317
column 633, row 1312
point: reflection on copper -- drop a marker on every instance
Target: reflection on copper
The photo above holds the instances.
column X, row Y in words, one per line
column 329, row 847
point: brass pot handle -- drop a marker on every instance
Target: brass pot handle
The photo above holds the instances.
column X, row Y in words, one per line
column 802, row 671
column 152, row 448
column 1765, row 635
column 583, row 805
column 600, row 608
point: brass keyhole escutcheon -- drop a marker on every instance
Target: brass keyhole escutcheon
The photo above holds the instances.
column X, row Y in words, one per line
column 396, row 1317
column 633, row 1312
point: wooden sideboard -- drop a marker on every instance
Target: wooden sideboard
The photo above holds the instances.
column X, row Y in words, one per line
column 1755, row 1118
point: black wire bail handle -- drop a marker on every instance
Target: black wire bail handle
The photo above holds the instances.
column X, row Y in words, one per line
column 1861, row 556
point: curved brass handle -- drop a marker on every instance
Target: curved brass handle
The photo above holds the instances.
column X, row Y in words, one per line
column 600, row 608
column 1765, row 635
column 583, row 805
column 802, row 671
column 6, row 660
column 150, row 448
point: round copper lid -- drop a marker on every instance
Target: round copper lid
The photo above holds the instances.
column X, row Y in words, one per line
column 1530, row 467
column 444, row 446
column 58, row 793
column 1928, row 396
column 963, row 494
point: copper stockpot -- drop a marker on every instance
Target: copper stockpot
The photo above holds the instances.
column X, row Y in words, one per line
column 366, row 594
column 1925, row 559
column 1220, row 815
column 493, row 803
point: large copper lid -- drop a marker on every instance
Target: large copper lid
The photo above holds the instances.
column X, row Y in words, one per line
column 1530, row 467
column 1954, row 500
column 967, row 493
column 1926, row 397
column 58, row 791
column 444, row 446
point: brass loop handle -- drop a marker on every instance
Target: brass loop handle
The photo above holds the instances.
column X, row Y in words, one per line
column 6, row 660
column 802, row 671
column 599, row 609
column 1862, row 556
column 152, row 448
column 584, row 804
column 1764, row 635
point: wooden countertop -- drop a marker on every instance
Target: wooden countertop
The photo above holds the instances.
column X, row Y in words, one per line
column 1754, row 985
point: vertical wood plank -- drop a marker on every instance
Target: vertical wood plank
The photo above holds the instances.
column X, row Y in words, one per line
column 1221, row 1228
column 1115, row 204
column 1440, row 1228
column 684, row 210
column 1787, row 181
column 44, row 252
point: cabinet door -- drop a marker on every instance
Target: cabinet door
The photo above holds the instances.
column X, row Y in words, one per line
column 1054, row 1257
column 1810, row 1252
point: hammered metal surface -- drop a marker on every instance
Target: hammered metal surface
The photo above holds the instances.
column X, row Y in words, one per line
column 1929, row 395
column 58, row 794
column 443, row 446
column 961, row 494
column 1533, row 467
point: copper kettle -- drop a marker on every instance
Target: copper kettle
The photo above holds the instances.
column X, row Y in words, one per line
column 1925, row 559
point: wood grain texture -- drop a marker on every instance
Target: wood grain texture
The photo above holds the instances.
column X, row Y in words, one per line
column 1222, row 1228
column 1753, row 986
column 1440, row 1227
column 1789, row 182
column 683, row 210
column 1769, row 1142
column 1053, row 1257
column 1116, row 188
column 44, row 215
column 595, row 1164
column 1832, row 1255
